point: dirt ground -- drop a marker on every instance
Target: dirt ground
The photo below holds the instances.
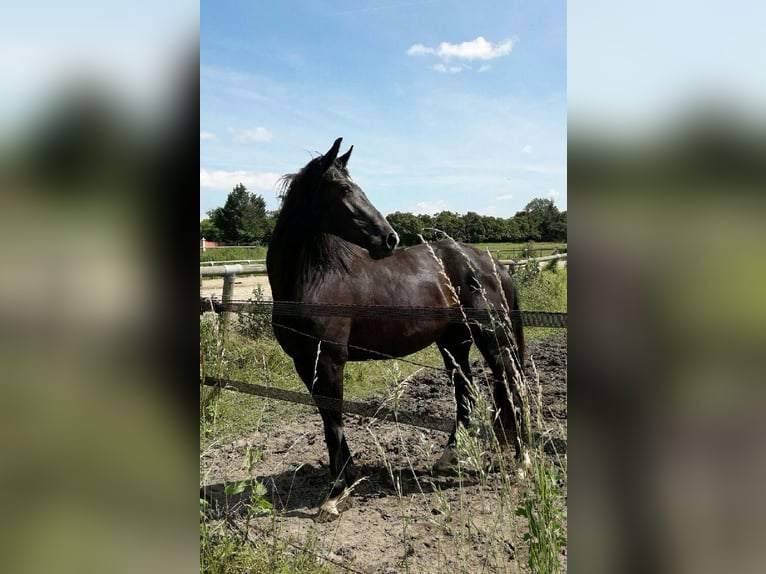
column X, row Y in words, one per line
column 400, row 517
column 243, row 287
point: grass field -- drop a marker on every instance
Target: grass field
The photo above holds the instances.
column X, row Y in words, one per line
column 521, row 250
column 232, row 253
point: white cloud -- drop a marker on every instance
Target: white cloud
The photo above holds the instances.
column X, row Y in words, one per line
column 505, row 197
column 418, row 49
column 208, row 136
column 553, row 192
column 430, row 207
column 485, row 67
column 259, row 134
column 227, row 180
column 478, row 49
column 527, row 148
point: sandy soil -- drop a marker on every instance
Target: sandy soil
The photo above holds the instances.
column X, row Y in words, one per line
column 401, row 518
column 243, row 287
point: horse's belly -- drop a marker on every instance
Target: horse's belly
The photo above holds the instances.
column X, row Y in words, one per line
column 380, row 339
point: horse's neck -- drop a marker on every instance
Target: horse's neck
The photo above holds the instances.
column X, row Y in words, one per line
column 297, row 264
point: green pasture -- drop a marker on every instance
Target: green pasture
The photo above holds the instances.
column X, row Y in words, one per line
column 519, row 250
column 232, row 253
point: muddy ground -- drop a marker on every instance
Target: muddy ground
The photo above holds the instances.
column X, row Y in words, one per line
column 401, row 518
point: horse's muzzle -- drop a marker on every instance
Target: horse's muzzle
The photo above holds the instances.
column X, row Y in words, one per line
column 386, row 247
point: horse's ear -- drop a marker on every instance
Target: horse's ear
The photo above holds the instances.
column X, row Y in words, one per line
column 329, row 158
column 345, row 157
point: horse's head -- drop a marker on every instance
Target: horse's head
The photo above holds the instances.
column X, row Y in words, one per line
column 340, row 207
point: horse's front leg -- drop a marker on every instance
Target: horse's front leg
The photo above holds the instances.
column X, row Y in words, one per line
column 343, row 473
column 326, row 381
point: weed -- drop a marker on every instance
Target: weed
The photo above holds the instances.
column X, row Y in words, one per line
column 541, row 507
column 255, row 325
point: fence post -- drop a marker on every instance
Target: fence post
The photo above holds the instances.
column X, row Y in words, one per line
column 229, row 277
column 203, row 245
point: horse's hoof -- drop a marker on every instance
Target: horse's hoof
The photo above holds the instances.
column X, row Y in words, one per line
column 333, row 507
column 524, row 465
column 444, row 470
column 445, row 466
column 328, row 512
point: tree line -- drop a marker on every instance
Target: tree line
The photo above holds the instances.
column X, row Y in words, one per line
column 244, row 220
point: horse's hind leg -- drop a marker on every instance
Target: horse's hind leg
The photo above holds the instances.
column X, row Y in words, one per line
column 500, row 353
column 455, row 356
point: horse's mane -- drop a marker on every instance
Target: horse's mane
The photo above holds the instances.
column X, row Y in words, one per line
column 295, row 232
column 292, row 185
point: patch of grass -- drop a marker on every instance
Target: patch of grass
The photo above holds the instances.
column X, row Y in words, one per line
column 546, row 290
column 540, row 505
column 366, row 378
column 541, row 289
column 255, row 325
column 232, row 253
column 226, row 415
column 229, row 547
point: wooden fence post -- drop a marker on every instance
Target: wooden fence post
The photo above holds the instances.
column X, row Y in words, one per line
column 230, row 276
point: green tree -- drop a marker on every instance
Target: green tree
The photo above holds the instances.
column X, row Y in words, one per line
column 545, row 221
column 451, row 224
column 524, row 227
column 242, row 219
column 496, row 229
column 407, row 225
column 554, row 226
column 271, row 221
column 427, row 227
column 209, row 231
column 475, row 227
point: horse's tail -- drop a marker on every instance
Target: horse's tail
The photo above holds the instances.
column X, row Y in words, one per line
column 507, row 397
column 511, row 294
column 518, row 328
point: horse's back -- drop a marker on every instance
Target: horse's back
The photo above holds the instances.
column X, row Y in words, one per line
column 473, row 273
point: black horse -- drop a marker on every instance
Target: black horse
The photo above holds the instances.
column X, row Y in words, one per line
column 331, row 246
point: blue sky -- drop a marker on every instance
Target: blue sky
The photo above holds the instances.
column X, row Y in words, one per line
column 449, row 104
